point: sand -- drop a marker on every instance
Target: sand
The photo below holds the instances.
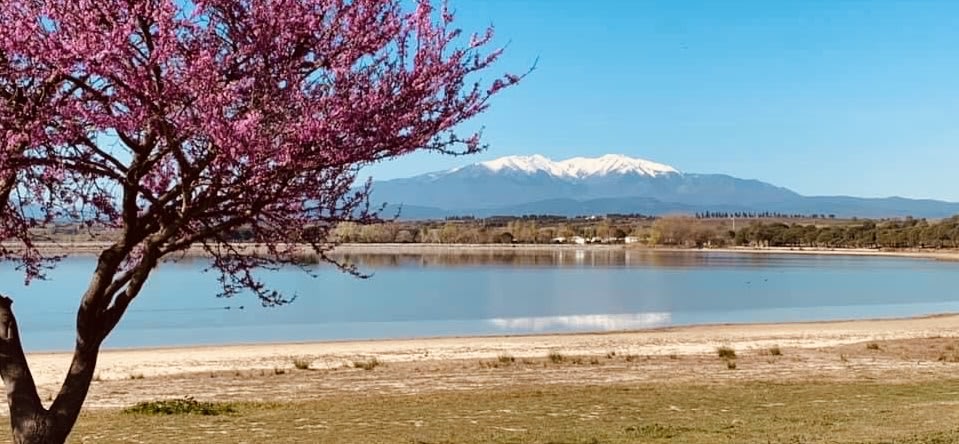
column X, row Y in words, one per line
column 812, row 350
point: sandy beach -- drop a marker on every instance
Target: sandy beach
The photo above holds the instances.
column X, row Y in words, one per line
column 819, row 350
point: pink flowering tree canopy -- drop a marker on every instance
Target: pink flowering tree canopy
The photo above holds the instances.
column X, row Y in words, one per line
column 176, row 122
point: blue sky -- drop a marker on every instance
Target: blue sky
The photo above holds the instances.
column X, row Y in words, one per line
column 824, row 97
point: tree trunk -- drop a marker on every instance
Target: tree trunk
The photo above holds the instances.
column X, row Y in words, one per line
column 30, row 422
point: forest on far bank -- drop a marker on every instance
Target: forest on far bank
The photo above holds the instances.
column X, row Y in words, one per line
column 673, row 231
column 684, row 231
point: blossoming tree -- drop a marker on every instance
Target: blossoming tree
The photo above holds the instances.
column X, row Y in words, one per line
column 175, row 122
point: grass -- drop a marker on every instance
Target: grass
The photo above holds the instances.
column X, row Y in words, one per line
column 868, row 412
column 302, row 363
column 726, row 352
column 183, row 406
column 368, row 364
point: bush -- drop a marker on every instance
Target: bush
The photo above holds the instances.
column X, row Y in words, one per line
column 369, row 364
column 301, row 363
column 726, row 352
column 184, row 406
column 556, row 357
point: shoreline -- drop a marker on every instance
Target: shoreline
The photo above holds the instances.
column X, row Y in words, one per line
column 120, row 363
column 530, row 336
column 93, row 248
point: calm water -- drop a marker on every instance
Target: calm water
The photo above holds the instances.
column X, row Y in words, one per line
column 467, row 294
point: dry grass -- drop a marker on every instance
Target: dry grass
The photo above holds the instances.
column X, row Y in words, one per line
column 857, row 412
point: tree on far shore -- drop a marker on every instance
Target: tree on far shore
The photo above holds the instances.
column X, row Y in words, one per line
column 177, row 122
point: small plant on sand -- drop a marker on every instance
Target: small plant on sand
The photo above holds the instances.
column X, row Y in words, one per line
column 673, row 356
column 944, row 357
column 506, row 359
column 843, row 357
column 631, row 358
column 184, row 406
column 872, row 346
column 555, row 357
column 726, row 352
column 302, row 363
column 610, row 355
column 489, row 364
column 593, row 361
column 279, row 371
column 775, row 351
column 136, row 376
column 369, row 364
column 731, row 364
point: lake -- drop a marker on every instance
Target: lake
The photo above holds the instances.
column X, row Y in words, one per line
column 488, row 293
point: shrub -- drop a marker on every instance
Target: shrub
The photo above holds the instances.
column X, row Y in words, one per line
column 369, row 364
column 555, row 357
column 872, row 346
column 301, row 363
column 726, row 352
column 506, row 359
column 184, row 406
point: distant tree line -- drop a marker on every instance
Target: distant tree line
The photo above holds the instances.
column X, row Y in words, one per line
column 907, row 233
column 760, row 215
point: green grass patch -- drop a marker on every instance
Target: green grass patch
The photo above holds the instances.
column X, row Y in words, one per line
column 182, row 406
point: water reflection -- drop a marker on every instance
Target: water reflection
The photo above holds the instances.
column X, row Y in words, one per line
column 571, row 258
column 599, row 322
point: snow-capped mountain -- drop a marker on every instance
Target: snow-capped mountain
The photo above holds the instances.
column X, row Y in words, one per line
column 579, row 167
column 613, row 183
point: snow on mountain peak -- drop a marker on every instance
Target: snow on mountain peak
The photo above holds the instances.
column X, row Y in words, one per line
column 579, row 167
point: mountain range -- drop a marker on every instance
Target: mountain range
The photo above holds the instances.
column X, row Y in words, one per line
column 517, row 185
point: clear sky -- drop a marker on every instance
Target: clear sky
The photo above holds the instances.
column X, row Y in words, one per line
column 824, row 97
